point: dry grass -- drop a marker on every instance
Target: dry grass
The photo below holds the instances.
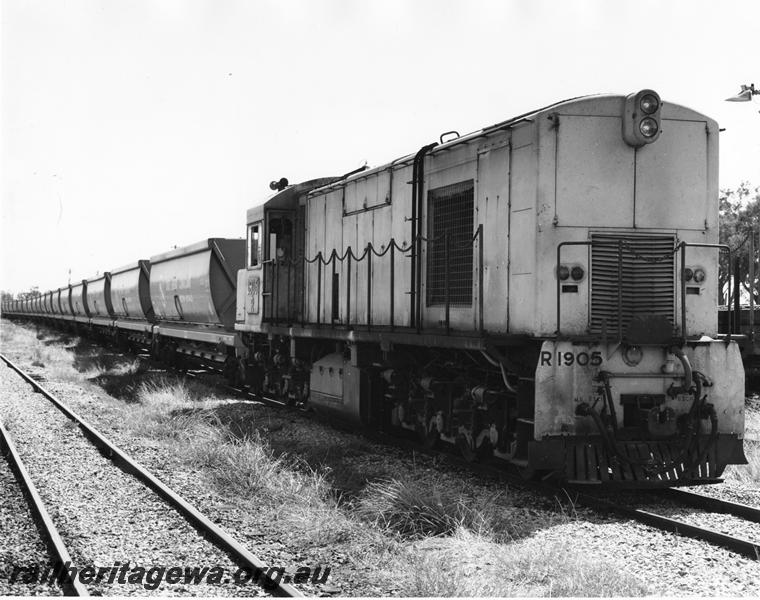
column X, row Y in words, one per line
column 419, row 534
column 468, row 565
column 417, row 509
column 39, row 348
column 429, row 538
column 44, row 348
column 749, row 473
column 9, row 420
column 172, row 409
column 58, row 362
column 245, row 470
column 248, row 468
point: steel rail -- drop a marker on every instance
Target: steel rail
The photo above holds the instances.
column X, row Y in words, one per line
column 749, row 513
column 240, row 555
column 46, row 526
column 742, row 546
column 745, row 547
column 739, row 545
column 661, row 522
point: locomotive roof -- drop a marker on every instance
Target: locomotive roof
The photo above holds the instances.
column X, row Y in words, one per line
column 500, row 126
column 462, row 139
column 284, row 197
column 316, row 186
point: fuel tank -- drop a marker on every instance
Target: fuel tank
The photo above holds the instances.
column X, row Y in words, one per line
column 197, row 283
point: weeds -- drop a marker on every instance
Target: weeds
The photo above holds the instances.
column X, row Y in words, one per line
column 9, row 420
column 749, row 473
column 473, row 565
column 169, row 409
column 248, row 468
column 57, row 362
column 427, row 536
column 416, row 509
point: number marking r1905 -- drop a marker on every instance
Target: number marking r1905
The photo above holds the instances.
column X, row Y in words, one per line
column 568, row 359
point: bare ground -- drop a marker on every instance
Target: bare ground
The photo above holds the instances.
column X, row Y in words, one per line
column 385, row 523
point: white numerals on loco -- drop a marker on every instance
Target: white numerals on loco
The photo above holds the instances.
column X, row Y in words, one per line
column 568, row 359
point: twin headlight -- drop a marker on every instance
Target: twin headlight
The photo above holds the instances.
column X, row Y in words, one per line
column 641, row 118
column 694, row 274
column 576, row 272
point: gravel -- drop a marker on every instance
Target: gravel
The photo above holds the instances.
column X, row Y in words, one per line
column 107, row 518
column 733, row 491
column 670, row 564
column 720, row 522
column 21, row 543
column 666, row 563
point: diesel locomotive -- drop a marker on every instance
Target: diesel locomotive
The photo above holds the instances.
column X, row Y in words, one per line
column 542, row 292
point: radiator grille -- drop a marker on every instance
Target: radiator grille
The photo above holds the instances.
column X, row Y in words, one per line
column 450, row 213
column 647, row 284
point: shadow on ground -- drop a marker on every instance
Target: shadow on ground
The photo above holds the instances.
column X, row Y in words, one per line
column 348, row 462
column 289, row 433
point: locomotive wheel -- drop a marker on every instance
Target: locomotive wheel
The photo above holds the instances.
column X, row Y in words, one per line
column 293, row 395
column 530, row 473
column 485, row 450
column 469, row 453
column 431, row 439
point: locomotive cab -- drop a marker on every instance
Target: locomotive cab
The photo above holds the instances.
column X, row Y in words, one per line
column 271, row 286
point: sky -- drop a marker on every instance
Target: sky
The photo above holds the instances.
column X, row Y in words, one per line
column 129, row 128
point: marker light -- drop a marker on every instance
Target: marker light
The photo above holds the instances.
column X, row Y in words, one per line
column 563, row 272
column 648, row 127
column 577, row 273
column 688, row 274
column 649, row 104
column 699, row 275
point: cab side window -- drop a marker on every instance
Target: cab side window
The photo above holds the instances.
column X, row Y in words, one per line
column 254, row 244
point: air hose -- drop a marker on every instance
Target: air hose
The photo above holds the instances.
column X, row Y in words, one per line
column 695, row 381
column 687, row 373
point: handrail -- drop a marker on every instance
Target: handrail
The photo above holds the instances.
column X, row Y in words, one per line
column 592, row 243
column 721, row 248
column 349, row 256
column 620, row 244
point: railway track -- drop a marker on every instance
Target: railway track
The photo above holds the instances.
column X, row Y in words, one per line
column 735, row 543
column 239, row 555
column 656, row 518
column 45, row 525
column 652, row 518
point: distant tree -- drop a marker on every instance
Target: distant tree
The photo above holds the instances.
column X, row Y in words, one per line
column 32, row 293
column 6, row 296
column 739, row 218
